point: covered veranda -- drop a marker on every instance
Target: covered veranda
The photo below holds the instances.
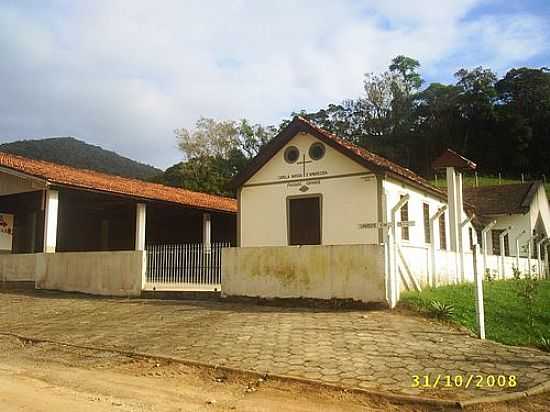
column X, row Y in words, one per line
column 58, row 210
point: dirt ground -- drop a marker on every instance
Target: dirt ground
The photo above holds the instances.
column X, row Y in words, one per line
column 49, row 377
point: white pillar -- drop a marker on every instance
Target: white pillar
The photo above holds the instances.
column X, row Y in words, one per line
column 140, row 226
column 453, row 182
column 206, row 232
column 529, row 252
column 50, row 220
column 539, row 258
column 460, row 224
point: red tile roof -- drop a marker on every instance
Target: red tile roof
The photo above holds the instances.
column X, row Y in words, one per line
column 370, row 160
column 502, row 199
column 91, row 180
column 450, row 158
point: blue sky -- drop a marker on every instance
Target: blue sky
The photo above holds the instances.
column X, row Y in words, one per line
column 125, row 74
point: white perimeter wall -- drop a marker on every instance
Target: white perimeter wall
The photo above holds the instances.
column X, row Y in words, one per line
column 321, row 272
column 98, row 273
column 20, row 267
column 418, row 260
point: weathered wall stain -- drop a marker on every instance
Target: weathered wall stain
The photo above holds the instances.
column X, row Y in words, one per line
column 323, row 272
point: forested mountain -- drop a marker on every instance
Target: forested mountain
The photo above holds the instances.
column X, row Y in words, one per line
column 76, row 153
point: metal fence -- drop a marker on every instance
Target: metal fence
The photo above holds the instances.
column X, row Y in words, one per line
column 184, row 267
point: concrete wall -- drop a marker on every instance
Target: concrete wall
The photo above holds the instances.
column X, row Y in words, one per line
column 348, row 194
column 97, row 273
column 20, row 267
column 322, row 272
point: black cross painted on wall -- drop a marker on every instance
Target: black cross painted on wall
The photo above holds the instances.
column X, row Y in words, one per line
column 303, row 163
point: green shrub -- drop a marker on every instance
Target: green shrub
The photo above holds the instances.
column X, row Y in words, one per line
column 441, row 310
column 527, row 290
column 544, row 343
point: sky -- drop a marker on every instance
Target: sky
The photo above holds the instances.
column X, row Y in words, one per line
column 125, row 74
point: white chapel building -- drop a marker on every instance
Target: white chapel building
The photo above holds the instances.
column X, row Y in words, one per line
column 319, row 217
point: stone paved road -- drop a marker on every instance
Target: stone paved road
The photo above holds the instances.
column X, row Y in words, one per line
column 375, row 350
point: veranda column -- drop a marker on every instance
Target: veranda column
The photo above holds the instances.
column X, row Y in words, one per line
column 206, row 232
column 50, row 220
column 140, row 226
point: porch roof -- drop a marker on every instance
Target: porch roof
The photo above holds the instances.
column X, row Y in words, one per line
column 57, row 174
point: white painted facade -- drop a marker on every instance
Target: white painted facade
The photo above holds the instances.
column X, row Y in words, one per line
column 348, row 194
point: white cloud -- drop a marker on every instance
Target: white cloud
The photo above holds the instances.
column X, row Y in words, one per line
column 125, row 74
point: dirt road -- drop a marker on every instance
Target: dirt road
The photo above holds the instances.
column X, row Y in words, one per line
column 49, row 377
column 46, row 377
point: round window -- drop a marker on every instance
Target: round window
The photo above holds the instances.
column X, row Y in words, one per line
column 317, row 151
column 292, row 154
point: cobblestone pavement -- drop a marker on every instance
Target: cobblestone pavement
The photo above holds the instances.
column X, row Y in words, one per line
column 378, row 350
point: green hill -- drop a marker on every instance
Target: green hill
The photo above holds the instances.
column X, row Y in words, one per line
column 76, row 153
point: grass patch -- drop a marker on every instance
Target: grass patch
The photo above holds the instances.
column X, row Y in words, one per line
column 506, row 313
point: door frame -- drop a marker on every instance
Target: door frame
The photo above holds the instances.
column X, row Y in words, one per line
column 304, row 196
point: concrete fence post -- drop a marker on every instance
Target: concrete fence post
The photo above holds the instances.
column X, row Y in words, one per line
column 433, row 220
column 484, row 232
column 502, row 266
column 394, row 268
column 517, row 247
column 480, row 307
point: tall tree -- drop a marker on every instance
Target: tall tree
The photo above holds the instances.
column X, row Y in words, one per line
column 476, row 103
column 214, row 151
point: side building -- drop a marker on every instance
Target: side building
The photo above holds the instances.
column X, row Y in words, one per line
column 81, row 230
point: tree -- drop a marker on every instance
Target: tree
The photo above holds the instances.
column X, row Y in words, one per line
column 214, row 151
column 476, row 105
column 407, row 70
column 523, row 107
column 438, row 123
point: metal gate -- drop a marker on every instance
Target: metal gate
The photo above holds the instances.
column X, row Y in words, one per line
column 184, row 267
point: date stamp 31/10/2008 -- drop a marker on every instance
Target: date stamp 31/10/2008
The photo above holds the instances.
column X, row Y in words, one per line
column 464, row 381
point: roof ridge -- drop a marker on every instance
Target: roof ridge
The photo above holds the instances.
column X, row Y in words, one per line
column 362, row 149
column 96, row 172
